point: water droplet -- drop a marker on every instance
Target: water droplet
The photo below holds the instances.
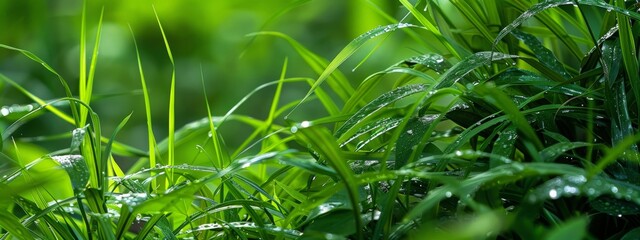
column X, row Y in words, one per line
column 448, row 194
column 614, row 189
column 5, row 111
column 553, row 194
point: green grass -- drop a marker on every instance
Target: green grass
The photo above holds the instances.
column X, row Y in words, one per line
column 517, row 125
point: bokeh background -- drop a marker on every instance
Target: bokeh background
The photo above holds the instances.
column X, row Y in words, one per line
column 211, row 35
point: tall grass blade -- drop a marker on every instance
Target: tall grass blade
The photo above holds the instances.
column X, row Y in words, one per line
column 147, row 107
column 349, row 50
column 172, row 107
column 321, row 141
column 86, row 94
column 219, row 151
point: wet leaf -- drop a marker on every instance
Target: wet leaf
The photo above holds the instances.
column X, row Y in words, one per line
column 433, row 61
column 413, row 133
column 552, row 152
column 246, row 226
column 614, row 206
column 374, row 129
column 611, row 196
column 464, row 67
column 536, row 9
column 77, row 136
column 543, row 54
column 380, row 102
column 504, row 145
column 77, row 168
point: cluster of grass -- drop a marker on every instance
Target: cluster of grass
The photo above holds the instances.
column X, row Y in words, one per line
column 513, row 120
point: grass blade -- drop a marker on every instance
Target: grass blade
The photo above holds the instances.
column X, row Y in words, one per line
column 172, row 107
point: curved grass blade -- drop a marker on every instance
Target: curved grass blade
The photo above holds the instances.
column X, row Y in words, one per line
column 149, row 225
column 38, row 100
column 433, row 29
column 365, row 88
column 321, row 141
column 543, row 54
column 464, row 67
column 35, row 98
column 552, row 152
column 103, row 182
column 147, row 106
column 349, row 50
column 536, row 9
column 498, row 98
column 504, row 174
column 337, row 81
column 12, row 225
column 377, row 104
column 632, row 234
column 595, row 188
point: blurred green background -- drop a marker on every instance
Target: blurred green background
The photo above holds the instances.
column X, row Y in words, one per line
column 211, row 34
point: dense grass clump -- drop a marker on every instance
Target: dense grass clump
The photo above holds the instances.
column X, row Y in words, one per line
column 514, row 120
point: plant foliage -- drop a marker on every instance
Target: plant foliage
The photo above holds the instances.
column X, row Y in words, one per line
column 515, row 119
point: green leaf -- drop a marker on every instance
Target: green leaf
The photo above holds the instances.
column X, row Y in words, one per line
column 11, row 223
column 464, row 67
column 350, row 49
column 543, row 54
column 77, row 168
column 504, row 145
column 620, row 197
column 552, row 152
column 380, row 102
column 339, row 222
column 571, row 229
column 633, row 234
column 321, row 141
column 411, row 136
column 172, row 102
column 498, row 98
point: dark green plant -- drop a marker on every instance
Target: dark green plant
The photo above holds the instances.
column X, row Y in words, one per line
column 514, row 120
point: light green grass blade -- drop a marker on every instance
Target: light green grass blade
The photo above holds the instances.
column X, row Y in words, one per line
column 172, row 99
column 104, row 180
column 86, row 94
column 275, row 101
column 219, row 151
column 147, row 107
column 432, row 28
column 11, row 223
column 38, row 100
column 349, row 50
